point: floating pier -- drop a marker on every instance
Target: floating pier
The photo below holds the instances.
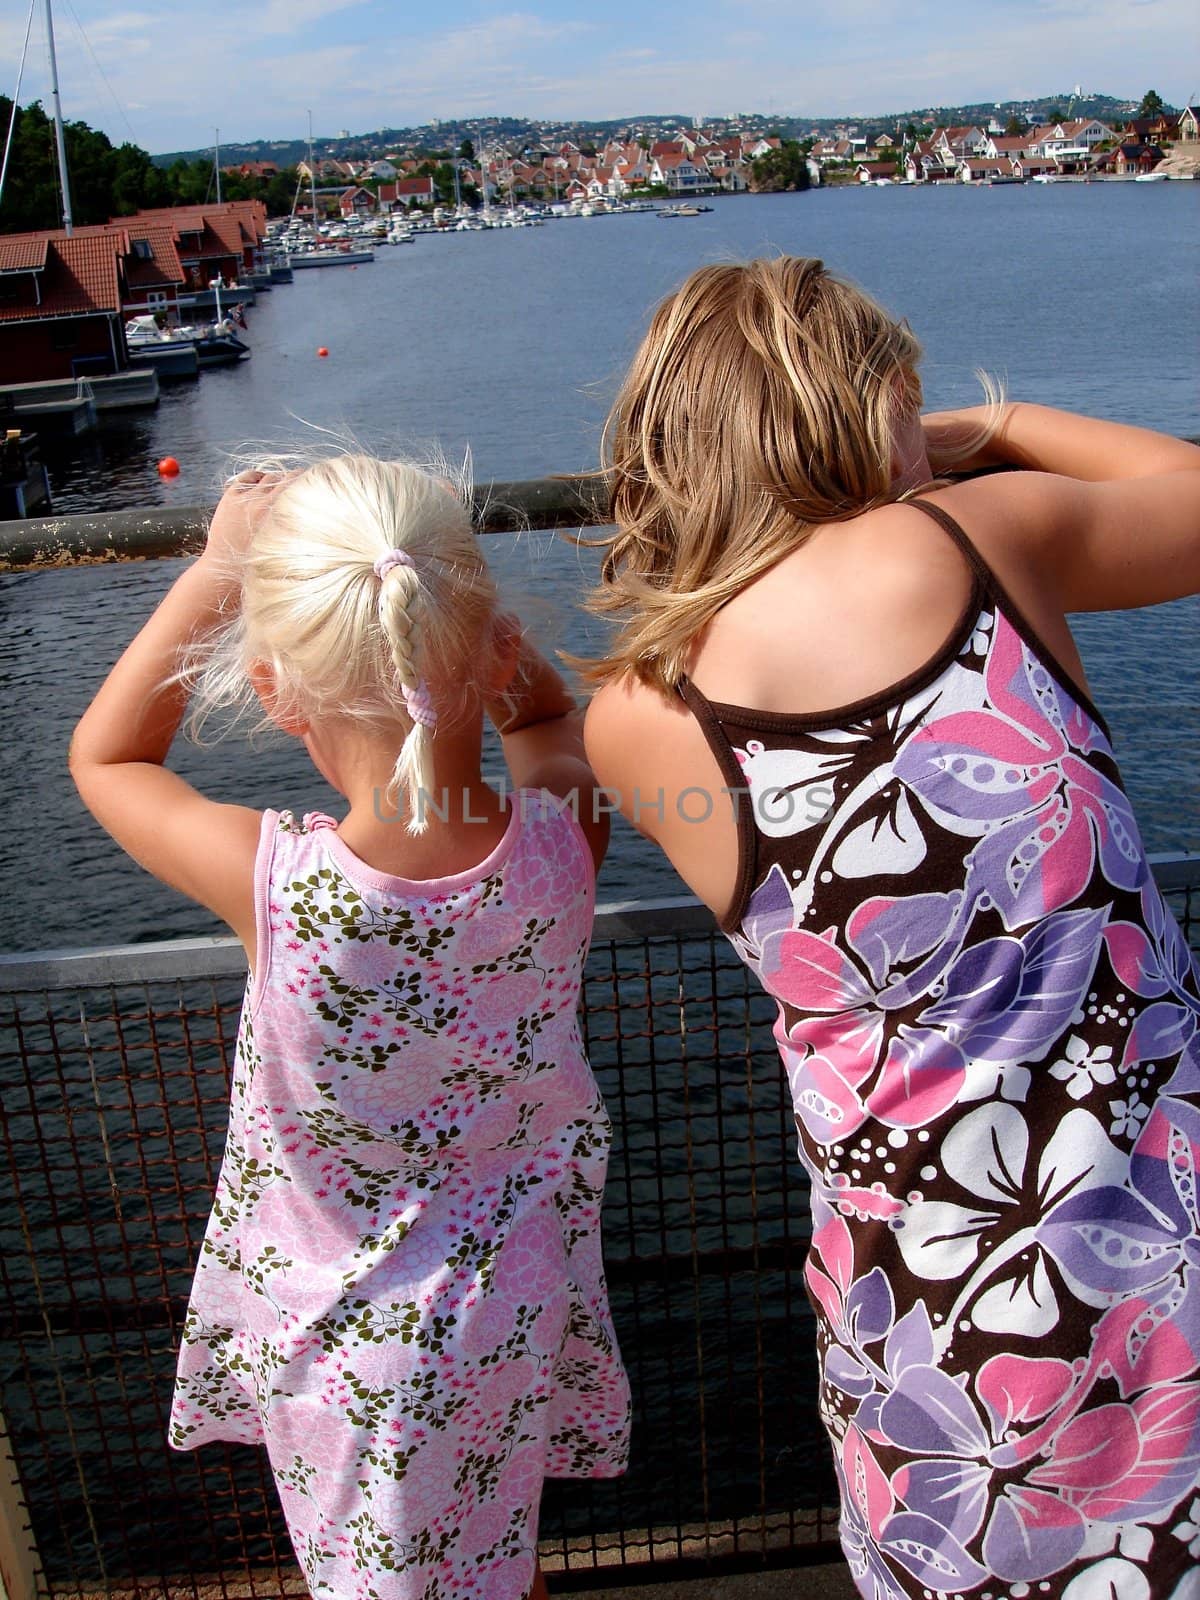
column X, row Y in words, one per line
column 71, row 405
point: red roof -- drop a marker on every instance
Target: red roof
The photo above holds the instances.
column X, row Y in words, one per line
column 163, row 265
column 80, row 275
column 235, row 219
column 22, row 253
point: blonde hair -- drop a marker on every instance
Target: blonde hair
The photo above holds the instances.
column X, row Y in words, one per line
column 763, row 401
column 365, row 593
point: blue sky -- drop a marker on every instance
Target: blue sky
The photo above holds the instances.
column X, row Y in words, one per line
column 164, row 74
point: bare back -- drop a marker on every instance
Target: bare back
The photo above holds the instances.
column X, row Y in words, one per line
column 859, row 607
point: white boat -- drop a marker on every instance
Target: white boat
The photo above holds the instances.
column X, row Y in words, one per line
column 320, row 254
column 215, row 345
column 1151, row 177
column 329, row 256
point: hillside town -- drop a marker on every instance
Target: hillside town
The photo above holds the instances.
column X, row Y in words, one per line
column 161, row 294
column 704, row 161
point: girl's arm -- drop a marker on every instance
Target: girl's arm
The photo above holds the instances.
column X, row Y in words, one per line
column 541, row 731
column 1041, row 439
column 205, row 849
column 1107, row 514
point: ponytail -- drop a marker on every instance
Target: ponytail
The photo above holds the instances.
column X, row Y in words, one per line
column 365, row 592
column 400, row 607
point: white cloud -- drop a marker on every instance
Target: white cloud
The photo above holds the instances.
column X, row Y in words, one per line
column 255, row 72
column 292, row 16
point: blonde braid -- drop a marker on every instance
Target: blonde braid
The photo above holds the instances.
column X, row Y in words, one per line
column 401, row 603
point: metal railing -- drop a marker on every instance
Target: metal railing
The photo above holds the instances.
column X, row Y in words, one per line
column 579, row 500
column 114, row 1102
column 114, row 1094
column 153, row 531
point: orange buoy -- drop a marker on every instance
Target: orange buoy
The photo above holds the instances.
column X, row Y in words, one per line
column 322, row 351
column 168, row 467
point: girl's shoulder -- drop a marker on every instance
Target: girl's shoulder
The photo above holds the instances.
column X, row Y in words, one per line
column 554, row 825
column 308, row 851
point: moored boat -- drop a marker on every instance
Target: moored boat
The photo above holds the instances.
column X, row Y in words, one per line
column 330, row 256
column 216, row 345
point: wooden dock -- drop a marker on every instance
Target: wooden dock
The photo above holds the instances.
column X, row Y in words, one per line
column 71, row 405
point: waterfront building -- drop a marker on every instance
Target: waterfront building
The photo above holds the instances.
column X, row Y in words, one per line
column 64, row 299
column 357, row 202
column 981, row 169
column 408, row 192
column 1130, row 159
column 60, row 303
column 875, row 171
column 957, row 144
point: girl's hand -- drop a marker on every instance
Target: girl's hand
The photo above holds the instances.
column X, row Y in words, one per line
column 960, row 441
column 246, row 501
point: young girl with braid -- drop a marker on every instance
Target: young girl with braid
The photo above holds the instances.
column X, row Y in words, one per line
column 400, row 1292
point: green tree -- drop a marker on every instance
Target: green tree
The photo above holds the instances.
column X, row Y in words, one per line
column 779, row 170
column 1015, row 127
column 31, row 198
column 443, row 183
column 189, row 182
column 1054, row 114
column 1152, row 105
column 279, row 193
column 104, row 182
column 466, row 151
column 136, row 182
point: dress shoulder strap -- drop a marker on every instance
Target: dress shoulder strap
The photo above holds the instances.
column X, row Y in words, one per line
column 955, row 529
column 1003, row 601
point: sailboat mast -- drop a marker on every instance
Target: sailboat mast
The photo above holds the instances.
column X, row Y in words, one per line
column 312, row 179
column 217, row 170
column 59, row 137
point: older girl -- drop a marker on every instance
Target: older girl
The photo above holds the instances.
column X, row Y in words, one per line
column 847, row 704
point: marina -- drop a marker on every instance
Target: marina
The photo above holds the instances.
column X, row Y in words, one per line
column 523, row 383
column 115, row 1091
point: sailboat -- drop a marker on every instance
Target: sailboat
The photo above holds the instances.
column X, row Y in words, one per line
column 324, row 255
column 166, row 350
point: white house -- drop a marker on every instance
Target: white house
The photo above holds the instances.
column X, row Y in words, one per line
column 680, row 175
column 960, row 142
column 978, row 169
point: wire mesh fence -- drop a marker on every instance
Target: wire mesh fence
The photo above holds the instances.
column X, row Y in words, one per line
column 114, row 1087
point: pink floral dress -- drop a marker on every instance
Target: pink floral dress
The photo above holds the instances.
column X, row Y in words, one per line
column 990, row 1025
column 400, row 1291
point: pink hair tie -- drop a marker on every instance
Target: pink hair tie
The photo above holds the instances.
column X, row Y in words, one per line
column 390, row 559
column 419, row 704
